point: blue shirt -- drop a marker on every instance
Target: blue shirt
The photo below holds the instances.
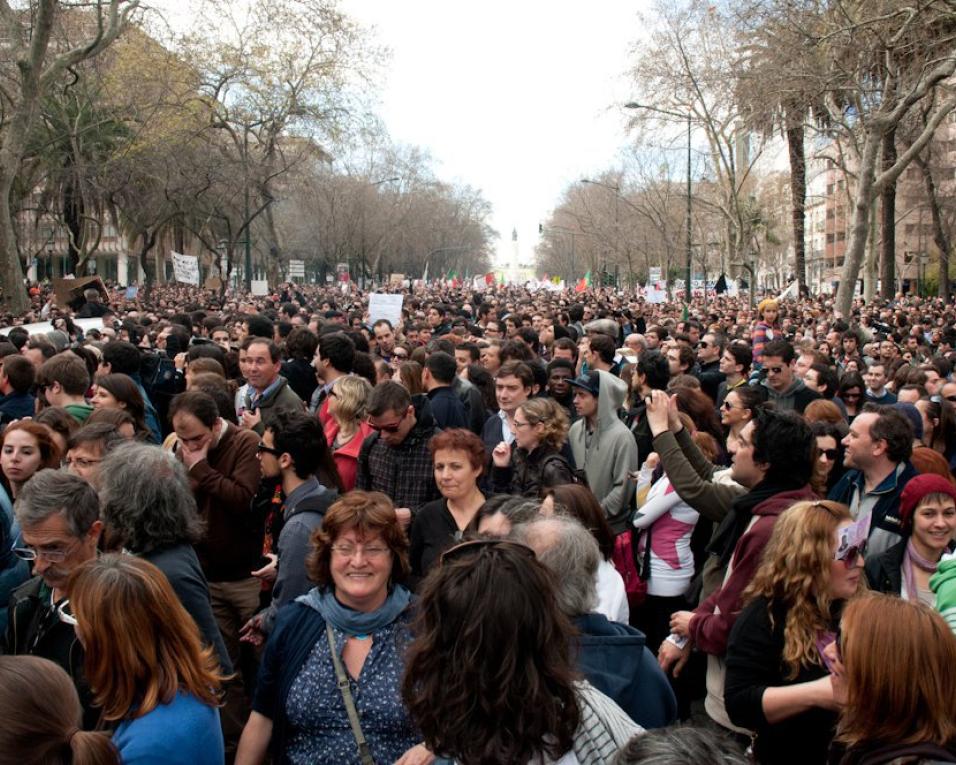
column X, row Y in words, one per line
column 184, row 732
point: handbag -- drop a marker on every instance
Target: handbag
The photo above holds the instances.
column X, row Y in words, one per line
column 633, row 568
column 365, row 754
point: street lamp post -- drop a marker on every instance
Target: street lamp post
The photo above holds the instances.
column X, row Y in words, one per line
column 689, row 253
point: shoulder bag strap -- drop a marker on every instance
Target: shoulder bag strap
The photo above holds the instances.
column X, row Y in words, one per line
column 364, row 754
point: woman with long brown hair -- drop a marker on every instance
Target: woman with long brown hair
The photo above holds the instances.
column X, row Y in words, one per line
column 777, row 683
column 118, row 391
column 895, row 674
column 42, row 715
column 146, row 664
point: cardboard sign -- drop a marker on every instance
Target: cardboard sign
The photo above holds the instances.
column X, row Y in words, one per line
column 185, row 268
column 384, row 307
column 69, row 292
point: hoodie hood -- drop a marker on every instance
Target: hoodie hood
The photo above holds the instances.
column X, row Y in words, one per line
column 608, row 653
column 784, row 500
column 611, row 398
column 795, row 386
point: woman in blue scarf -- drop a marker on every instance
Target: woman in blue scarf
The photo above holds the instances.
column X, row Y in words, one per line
column 355, row 625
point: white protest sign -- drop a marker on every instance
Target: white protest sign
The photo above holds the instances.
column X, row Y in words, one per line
column 384, row 307
column 297, row 268
column 185, row 268
column 260, row 287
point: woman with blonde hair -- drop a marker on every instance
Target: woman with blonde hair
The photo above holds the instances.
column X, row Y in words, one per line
column 895, row 675
column 778, row 683
column 146, row 664
column 42, row 715
column 535, row 463
column 346, row 427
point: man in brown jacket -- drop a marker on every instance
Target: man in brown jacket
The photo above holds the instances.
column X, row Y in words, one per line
column 223, row 466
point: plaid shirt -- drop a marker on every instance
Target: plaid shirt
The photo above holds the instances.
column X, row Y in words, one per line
column 404, row 473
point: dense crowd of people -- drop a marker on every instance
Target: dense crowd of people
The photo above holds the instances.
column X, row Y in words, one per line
column 509, row 527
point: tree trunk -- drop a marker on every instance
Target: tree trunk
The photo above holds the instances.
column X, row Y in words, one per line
column 798, row 198
column 13, row 147
column 73, row 220
column 888, row 222
column 859, row 232
column 940, row 238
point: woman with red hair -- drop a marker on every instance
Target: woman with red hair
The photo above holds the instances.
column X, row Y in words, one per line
column 458, row 456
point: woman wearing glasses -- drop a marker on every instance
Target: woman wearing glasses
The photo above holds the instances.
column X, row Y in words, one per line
column 895, row 676
column 778, row 684
column 829, row 468
column 535, row 463
column 850, row 395
column 928, row 524
column 737, row 410
column 330, row 675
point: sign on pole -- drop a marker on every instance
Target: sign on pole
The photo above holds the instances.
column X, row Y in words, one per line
column 297, row 268
column 185, row 268
column 260, row 287
column 384, row 307
column 342, row 270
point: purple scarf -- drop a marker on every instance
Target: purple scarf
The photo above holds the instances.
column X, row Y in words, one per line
column 913, row 558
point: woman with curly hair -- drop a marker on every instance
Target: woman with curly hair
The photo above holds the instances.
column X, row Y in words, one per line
column 535, row 463
column 778, row 684
column 489, row 676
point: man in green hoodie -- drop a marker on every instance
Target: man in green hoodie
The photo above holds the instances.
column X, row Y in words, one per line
column 601, row 443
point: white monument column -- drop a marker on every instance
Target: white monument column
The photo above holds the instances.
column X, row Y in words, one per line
column 122, row 269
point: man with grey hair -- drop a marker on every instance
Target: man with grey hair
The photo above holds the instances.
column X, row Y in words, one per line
column 613, row 657
column 149, row 509
column 60, row 526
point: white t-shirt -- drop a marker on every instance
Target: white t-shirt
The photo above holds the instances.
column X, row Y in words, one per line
column 612, row 597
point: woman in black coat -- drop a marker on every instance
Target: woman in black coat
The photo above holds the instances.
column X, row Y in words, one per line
column 535, row 463
column 928, row 518
column 777, row 681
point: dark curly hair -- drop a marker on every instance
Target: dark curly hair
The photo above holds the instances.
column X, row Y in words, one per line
column 488, row 676
column 369, row 513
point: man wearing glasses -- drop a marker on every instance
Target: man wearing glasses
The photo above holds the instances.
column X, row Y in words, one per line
column 58, row 515
column 787, row 392
column 395, row 460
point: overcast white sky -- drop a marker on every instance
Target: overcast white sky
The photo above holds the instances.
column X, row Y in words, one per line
column 514, row 97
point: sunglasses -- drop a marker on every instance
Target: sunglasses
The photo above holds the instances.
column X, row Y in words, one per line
column 268, row 450
column 830, row 454
column 393, row 428
column 453, row 552
column 851, row 395
column 850, row 555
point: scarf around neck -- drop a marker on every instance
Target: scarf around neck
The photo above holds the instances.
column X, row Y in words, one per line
column 354, row 622
column 912, row 558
